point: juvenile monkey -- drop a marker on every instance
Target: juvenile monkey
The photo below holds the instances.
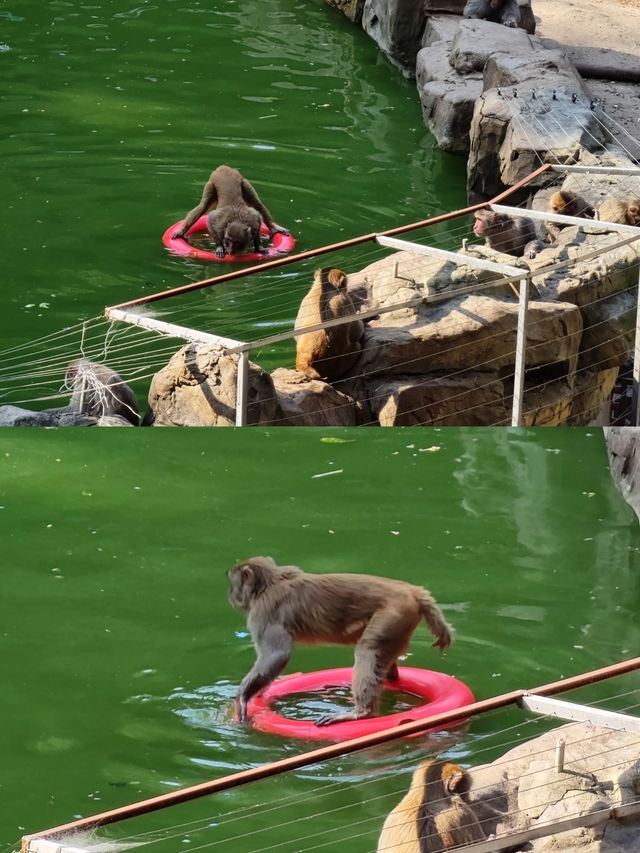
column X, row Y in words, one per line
column 621, row 212
column 238, row 213
column 328, row 353
column 434, row 815
column 508, row 234
column 99, row 391
column 567, row 203
column 286, row 605
column 505, row 12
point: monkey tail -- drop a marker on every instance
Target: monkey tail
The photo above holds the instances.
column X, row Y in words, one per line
column 437, row 624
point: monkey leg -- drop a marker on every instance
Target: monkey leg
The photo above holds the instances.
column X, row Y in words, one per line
column 392, row 673
column 273, row 646
column 384, row 639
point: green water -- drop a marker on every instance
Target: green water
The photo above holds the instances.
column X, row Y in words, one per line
column 115, row 112
column 119, row 655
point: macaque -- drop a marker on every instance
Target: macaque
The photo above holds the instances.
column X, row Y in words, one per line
column 328, row 353
column 434, row 815
column 235, row 222
column 286, row 605
column 620, row 212
column 507, row 234
column 567, row 203
column 505, row 12
column 99, row 391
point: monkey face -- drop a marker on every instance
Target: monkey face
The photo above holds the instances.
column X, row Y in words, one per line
column 487, row 223
column 633, row 212
column 236, row 238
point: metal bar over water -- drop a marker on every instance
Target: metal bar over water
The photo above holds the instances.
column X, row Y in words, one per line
column 580, row 713
column 169, row 329
column 521, row 355
column 336, row 750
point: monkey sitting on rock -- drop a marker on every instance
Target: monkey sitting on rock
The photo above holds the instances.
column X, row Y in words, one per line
column 328, row 353
column 434, row 815
column 235, row 222
column 508, row 234
column 506, row 12
column 286, row 605
column 567, row 203
column 620, row 212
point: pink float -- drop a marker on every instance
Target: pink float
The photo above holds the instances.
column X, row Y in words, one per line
column 441, row 693
column 281, row 244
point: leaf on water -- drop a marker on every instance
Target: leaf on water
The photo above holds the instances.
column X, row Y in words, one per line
column 331, row 439
column 327, row 473
column 433, row 449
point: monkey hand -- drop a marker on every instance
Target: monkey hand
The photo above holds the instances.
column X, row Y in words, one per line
column 241, row 709
column 262, row 251
column 179, row 234
column 510, row 23
column 330, row 719
column 278, row 229
column 220, row 252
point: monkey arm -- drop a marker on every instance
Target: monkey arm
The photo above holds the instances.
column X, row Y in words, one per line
column 253, row 199
column 208, row 200
column 273, row 648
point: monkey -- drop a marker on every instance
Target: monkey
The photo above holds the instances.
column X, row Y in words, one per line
column 505, row 12
column 238, row 213
column 620, row 212
column 328, row 353
column 434, row 815
column 285, row 604
column 511, row 235
column 567, row 203
column 97, row 390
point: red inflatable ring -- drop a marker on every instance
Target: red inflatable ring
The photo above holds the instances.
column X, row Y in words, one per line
column 280, row 245
column 441, row 693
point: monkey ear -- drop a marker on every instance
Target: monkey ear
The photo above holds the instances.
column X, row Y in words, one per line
column 247, row 575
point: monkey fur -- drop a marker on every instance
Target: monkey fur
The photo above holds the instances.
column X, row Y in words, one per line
column 434, row 815
column 235, row 222
column 620, row 212
column 510, row 235
column 328, row 353
column 286, row 605
column 506, row 12
column 109, row 396
column 567, row 203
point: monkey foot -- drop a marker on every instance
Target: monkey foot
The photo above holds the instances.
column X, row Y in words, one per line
column 330, row 719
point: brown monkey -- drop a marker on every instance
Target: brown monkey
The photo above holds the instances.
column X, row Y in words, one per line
column 621, row 212
column 507, row 234
column 434, row 815
column 97, row 391
column 328, row 353
column 567, row 203
column 238, row 213
column 285, row 605
column 505, row 12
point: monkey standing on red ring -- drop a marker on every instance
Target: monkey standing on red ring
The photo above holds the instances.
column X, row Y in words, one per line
column 235, row 222
column 378, row 615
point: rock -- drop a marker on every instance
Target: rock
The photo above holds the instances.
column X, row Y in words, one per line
column 545, row 403
column 451, row 7
column 509, row 136
column 352, row 9
column 470, row 399
column 61, row 417
column 601, row 772
column 396, row 26
column 447, row 98
column 599, row 63
column 113, row 421
column 620, row 101
column 591, row 395
column 475, row 41
column 198, row 388
column 623, row 445
column 311, row 402
column 440, row 28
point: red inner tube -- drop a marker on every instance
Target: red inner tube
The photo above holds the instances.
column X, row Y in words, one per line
column 441, row 693
column 281, row 244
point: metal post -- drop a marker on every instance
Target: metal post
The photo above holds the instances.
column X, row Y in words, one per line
column 635, row 400
column 560, row 755
column 242, row 389
column 521, row 354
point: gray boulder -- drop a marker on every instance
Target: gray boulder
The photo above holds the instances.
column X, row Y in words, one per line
column 61, row 417
column 352, row 9
column 623, row 444
column 396, row 26
column 310, row 402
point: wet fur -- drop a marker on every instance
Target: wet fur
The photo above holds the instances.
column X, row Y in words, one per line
column 328, row 353
column 286, row 605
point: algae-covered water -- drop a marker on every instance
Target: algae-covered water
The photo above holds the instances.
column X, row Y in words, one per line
column 119, row 654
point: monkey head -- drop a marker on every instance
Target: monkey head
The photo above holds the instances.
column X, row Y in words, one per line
column 567, row 203
column 633, row 212
column 236, row 237
column 488, row 223
column 248, row 579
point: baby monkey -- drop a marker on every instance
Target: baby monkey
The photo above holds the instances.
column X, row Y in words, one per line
column 237, row 216
column 284, row 605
